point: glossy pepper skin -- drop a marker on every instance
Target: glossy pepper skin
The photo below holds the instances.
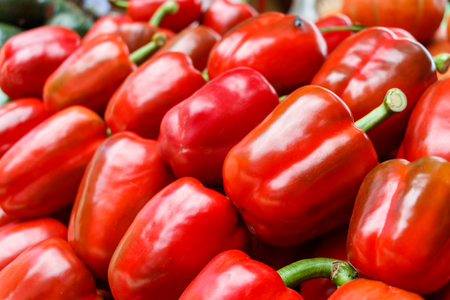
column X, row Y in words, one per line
column 364, row 289
column 134, row 34
column 41, row 173
column 124, row 174
column 17, row 118
column 189, row 11
column 170, row 241
column 105, row 25
column 5, row 219
column 90, row 76
column 48, row 270
column 27, row 59
column 428, row 128
column 333, row 39
column 17, row 237
column 222, row 15
column 233, row 275
column 419, row 17
column 295, row 176
column 402, row 211
column 290, row 50
column 143, row 99
column 197, row 133
column 196, row 42
column 369, row 63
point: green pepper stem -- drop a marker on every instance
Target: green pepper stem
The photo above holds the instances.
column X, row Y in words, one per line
column 353, row 28
column 338, row 271
column 119, row 3
column 168, row 7
column 205, row 75
column 442, row 62
column 394, row 102
column 141, row 54
column 282, row 98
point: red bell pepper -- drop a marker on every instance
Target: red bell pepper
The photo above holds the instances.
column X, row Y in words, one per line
column 91, row 75
column 42, row 171
column 171, row 239
column 48, row 270
column 371, row 62
column 105, row 25
column 222, row 15
column 233, row 275
column 124, row 174
column 364, row 289
column 189, row 11
column 197, row 133
column 296, row 175
column 287, row 50
column 399, row 231
column 149, row 93
column 134, row 34
column 333, row 39
column 428, row 128
column 17, row 237
column 27, row 59
column 196, row 42
column 17, row 118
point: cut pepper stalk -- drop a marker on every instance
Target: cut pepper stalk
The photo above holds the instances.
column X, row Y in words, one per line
column 394, row 102
column 158, row 40
column 353, row 28
column 338, row 271
column 442, row 62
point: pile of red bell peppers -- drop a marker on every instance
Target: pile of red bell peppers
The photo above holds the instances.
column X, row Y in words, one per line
column 227, row 153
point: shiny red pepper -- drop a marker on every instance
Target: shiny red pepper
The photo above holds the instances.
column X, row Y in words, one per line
column 41, row 173
column 106, row 24
column 196, row 42
column 48, row 270
column 124, row 174
column 189, row 11
column 371, row 290
column 90, row 76
column 399, row 231
column 369, row 63
column 233, row 275
column 17, row 237
column 171, row 239
column 17, row 118
column 134, row 34
column 27, row 59
column 296, row 175
column 428, row 128
column 197, row 133
column 148, row 94
column 333, row 39
column 285, row 49
column 222, row 15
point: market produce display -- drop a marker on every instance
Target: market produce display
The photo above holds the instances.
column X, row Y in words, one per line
column 223, row 150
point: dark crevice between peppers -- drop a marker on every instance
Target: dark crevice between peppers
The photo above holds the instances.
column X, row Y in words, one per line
column 338, row 271
column 158, row 40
